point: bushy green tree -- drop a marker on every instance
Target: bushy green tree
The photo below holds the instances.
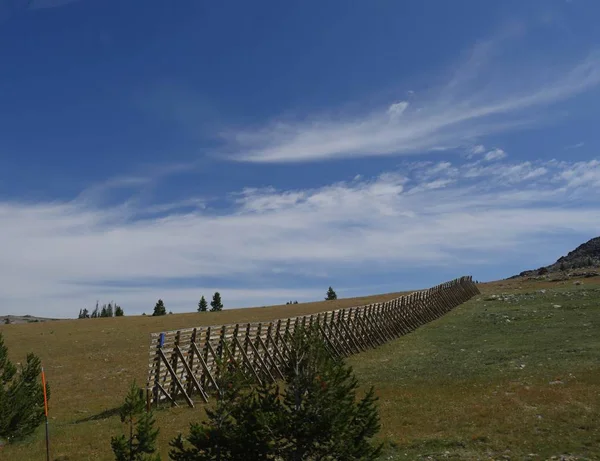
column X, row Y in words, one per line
column 159, row 308
column 141, row 443
column 221, row 437
column 331, row 295
column 21, row 396
column 322, row 418
column 216, row 305
column 119, row 311
column 202, row 305
column 314, row 415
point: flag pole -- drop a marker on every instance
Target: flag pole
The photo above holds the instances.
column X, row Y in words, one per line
column 46, row 413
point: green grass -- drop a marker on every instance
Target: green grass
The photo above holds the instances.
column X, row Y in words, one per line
column 518, row 378
column 494, row 379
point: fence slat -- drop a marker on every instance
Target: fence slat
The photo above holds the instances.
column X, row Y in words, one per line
column 191, row 377
column 176, row 379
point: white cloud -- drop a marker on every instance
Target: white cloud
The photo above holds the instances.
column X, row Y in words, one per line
column 510, row 173
column 495, row 154
column 397, row 108
column 478, row 149
column 582, row 174
column 480, row 99
column 44, row 4
column 576, row 146
column 57, row 257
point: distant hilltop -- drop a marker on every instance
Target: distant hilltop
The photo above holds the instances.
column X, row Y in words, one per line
column 10, row 319
column 584, row 257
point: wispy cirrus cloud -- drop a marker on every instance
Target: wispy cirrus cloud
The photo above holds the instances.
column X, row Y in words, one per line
column 581, row 174
column 44, row 4
column 478, row 149
column 480, row 98
column 575, row 146
column 10, row 8
column 61, row 256
column 495, row 154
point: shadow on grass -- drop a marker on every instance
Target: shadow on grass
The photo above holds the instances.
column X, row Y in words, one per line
column 113, row 412
column 102, row 415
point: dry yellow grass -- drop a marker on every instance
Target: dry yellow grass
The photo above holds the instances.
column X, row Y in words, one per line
column 89, row 364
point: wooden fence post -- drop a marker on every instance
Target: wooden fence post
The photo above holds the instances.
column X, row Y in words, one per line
column 174, row 358
column 205, row 351
column 159, row 346
column 190, row 385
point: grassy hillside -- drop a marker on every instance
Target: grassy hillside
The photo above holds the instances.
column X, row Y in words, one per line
column 511, row 376
column 90, row 362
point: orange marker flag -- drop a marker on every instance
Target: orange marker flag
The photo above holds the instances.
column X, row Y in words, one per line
column 45, row 397
column 46, row 413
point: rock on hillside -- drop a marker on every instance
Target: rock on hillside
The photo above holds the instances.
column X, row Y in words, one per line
column 584, row 256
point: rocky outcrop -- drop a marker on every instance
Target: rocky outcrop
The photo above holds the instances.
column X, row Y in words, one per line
column 585, row 256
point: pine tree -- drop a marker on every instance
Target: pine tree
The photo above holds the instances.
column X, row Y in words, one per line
column 202, row 305
column 95, row 312
column 21, row 396
column 225, row 435
column 313, row 415
column 104, row 311
column 141, row 444
column 85, row 314
column 318, row 384
column 159, row 308
column 216, row 305
column 119, row 311
column 109, row 310
column 331, row 295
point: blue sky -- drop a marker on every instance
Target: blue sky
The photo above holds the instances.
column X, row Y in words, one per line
column 271, row 149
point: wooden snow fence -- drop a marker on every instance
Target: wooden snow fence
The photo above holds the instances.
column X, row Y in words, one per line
column 183, row 362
